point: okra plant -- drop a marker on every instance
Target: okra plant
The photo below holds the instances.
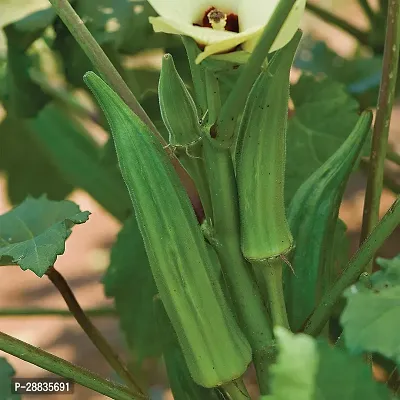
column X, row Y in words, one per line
column 232, row 258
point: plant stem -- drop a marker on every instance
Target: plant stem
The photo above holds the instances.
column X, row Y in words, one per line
column 110, row 74
column 340, row 23
column 355, row 267
column 236, row 390
column 93, row 333
column 368, row 11
column 246, row 298
column 234, row 105
column 47, row 312
column 271, row 271
column 382, row 122
column 393, row 157
column 58, row 366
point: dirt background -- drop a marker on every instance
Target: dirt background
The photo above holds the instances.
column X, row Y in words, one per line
column 87, row 253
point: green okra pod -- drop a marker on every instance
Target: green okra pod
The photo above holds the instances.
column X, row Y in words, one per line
column 313, row 215
column 179, row 113
column 261, row 159
column 212, row 343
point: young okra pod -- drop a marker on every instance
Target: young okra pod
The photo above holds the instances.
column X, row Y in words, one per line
column 180, row 117
column 213, row 345
column 313, row 216
column 261, row 159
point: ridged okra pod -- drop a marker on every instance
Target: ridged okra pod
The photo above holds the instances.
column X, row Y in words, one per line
column 180, row 117
column 213, row 345
column 261, row 159
column 313, row 215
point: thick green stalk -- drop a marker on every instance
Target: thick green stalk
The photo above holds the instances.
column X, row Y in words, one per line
column 353, row 270
column 93, row 333
column 50, row 312
column 271, row 270
column 63, row 368
column 382, row 122
column 237, row 272
column 225, row 127
column 340, row 23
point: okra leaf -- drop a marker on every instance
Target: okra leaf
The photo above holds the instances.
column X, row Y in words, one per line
column 23, row 97
column 27, row 165
column 360, row 75
column 317, row 129
column 33, row 234
column 70, row 147
column 371, row 319
column 130, row 282
column 14, row 10
column 6, row 373
column 308, row 369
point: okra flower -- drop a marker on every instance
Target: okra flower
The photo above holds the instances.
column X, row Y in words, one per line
column 220, row 26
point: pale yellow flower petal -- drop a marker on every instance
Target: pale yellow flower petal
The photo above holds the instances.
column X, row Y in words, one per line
column 201, row 35
column 179, row 10
column 256, row 13
column 191, row 11
column 228, row 43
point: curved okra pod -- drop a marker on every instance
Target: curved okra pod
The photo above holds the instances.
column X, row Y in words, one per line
column 214, row 348
column 312, row 215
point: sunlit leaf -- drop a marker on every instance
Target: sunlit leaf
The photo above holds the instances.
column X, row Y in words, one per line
column 371, row 319
column 307, row 369
column 33, row 234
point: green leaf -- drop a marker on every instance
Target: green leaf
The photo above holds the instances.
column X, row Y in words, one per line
column 317, row 129
column 23, row 98
column 137, row 34
column 307, row 369
column 27, row 165
column 345, row 377
column 371, row 319
column 6, row 373
column 14, row 10
column 33, row 234
column 290, row 378
column 130, row 282
column 360, row 75
column 119, row 26
column 71, row 148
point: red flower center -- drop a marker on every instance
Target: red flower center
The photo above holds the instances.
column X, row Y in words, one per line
column 215, row 15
